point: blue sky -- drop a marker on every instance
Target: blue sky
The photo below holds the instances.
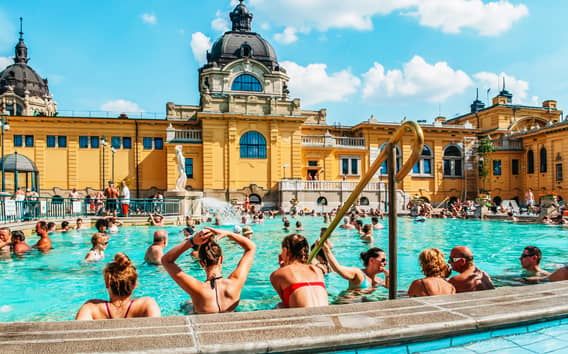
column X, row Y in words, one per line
column 388, row 58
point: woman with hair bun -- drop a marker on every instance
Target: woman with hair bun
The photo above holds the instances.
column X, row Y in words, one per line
column 298, row 283
column 120, row 280
column 374, row 261
column 216, row 294
column 436, row 270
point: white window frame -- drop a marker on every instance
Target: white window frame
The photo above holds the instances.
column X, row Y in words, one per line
column 421, row 164
column 453, row 160
column 350, row 159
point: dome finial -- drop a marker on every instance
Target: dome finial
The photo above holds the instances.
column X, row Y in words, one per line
column 21, row 50
column 241, row 18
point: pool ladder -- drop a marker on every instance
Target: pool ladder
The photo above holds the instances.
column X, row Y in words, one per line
column 388, row 153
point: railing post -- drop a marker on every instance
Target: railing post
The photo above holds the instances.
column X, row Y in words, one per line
column 392, row 223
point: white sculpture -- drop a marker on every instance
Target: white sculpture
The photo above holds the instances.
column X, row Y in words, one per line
column 182, row 178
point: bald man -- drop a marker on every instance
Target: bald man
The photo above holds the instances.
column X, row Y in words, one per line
column 470, row 278
column 156, row 250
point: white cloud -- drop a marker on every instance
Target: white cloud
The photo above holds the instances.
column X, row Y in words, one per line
column 314, row 85
column 450, row 16
column 288, row 36
column 200, row 44
column 149, row 19
column 122, row 106
column 488, row 19
column 417, row 79
column 519, row 88
column 220, row 23
column 4, row 62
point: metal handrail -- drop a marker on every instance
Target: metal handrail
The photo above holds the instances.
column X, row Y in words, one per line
column 387, row 153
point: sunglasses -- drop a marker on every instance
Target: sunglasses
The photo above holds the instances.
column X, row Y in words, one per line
column 382, row 260
column 525, row 256
column 454, row 259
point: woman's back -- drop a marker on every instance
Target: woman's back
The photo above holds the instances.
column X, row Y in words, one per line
column 300, row 285
column 431, row 286
column 105, row 310
column 217, row 296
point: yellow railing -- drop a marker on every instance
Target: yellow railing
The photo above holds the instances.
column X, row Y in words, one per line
column 385, row 153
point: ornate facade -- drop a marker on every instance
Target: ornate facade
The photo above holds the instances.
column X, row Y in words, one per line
column 248, row 137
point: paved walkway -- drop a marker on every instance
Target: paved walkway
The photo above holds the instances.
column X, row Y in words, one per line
column 329, row 328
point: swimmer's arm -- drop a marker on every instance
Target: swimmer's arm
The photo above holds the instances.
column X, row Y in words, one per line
column 188, row 283
column 243, row 268
column 85, row 313
column 348, row 273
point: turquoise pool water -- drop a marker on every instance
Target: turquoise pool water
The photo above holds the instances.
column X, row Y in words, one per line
column 52, row 287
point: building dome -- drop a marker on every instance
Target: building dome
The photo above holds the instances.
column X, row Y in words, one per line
column 20, row 76
column 241, row 42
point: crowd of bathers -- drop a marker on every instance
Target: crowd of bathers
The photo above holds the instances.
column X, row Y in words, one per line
column 297, row 281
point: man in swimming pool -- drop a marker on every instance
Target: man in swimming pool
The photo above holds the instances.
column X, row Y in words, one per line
column 470, row 278
column 155, row 252
column 530, row 261
column 5, row 241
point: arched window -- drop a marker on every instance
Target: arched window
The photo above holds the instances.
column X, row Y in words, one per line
column 453, row 161
column 543, row 162
column 253, row 146
column 255, row 199
column 424, row 165
column 530, row 161
column 364, row 201
column 246, row 82
column 384, row 169
column 322, row 201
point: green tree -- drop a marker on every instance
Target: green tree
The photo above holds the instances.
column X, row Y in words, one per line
column 484, row 148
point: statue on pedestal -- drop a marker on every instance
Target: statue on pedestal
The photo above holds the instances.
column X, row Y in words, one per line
column 182, row 178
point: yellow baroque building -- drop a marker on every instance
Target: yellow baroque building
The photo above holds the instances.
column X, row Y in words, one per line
column 248, row 138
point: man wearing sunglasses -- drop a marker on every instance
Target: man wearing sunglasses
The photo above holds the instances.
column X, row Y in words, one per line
column 470, row 278
column 530, row 261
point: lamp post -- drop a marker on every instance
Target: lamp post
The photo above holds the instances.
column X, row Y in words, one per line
column 3, row 126
column 103, row 144
column 113, row 150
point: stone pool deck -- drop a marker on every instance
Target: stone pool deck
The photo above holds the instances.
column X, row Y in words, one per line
column 329, row 328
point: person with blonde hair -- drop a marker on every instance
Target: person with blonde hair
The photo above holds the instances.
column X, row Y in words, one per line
column 97, row 252
column 436, row 271
column 120, row 280
column 298, row 283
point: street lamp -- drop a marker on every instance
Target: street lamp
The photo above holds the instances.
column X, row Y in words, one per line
column 113, row 150
column 103, row 144
column 4, row 126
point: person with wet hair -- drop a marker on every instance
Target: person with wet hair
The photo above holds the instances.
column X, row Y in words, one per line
column 216, row 294
column 120, row 277
column 51, row 227
column 101, row 225
column 298, row 283
column 97, row 252
column 374, row 262
column 65, row 227
column 155, row 252
column 367, row 233
column 19, row 245
column 530, row 261
column 375, row 223
column 5, row 241
column 44, row 243
column 436, row 271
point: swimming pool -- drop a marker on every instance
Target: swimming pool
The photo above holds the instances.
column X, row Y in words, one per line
column 52, row 287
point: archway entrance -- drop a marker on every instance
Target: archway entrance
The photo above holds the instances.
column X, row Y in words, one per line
column 19, row 171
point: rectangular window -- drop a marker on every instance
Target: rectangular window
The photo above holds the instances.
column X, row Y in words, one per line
column 416, row 168
column 127, row 142
column 83, row 142
column 355, row 167
column 147, row 143
column 344, row 167
column 159, row 144
column 559, row 172
column 496, row 167
column 62, row 141
column 115, row 142
column 50, row 141
column 189, row 167
column 95, row 142
column 18, row 141
column 447, row 168
column 427, row 166
column 515, row 167
column 312, row 163
column 29, row 141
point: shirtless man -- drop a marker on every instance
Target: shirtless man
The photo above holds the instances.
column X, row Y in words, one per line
column 44, row 243
column 155, row 252
column 111, row 193
column 530, row 261
column 470, row 278
column 346, row 225
column 156, row 220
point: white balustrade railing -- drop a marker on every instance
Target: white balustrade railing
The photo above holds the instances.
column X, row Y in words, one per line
column 183, row 136
column 333, row 141
column 315, row 186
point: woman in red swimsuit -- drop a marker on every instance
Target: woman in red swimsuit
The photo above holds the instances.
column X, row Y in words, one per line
column 120, row 280
column 298, row 283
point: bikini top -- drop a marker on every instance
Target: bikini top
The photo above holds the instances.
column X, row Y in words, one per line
column 287, row 292
column 109, row 315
